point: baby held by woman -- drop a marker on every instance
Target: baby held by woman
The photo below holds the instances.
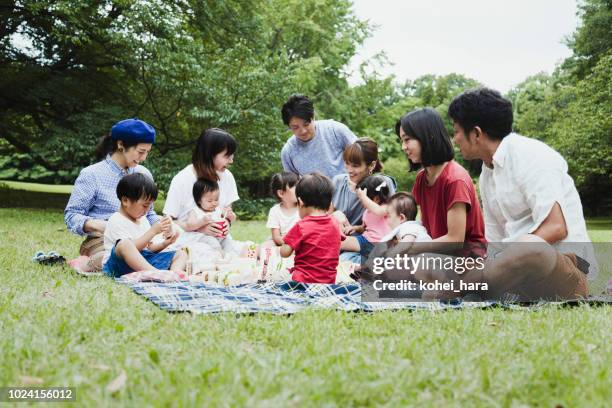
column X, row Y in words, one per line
column 206, row 197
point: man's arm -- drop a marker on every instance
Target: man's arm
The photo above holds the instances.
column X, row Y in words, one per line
column 287, row 162
column 553, row 229
column 347, row 136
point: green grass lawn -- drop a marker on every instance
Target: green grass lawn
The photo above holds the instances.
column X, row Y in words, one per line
column 69, row 331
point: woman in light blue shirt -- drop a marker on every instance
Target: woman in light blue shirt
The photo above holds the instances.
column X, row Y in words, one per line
column 94, row 198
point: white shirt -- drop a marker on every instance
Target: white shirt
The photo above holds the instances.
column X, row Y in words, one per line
column 180, row 194
column 190, row 237
column 277, row 218
column 414, row 228
column 518, row 193
column 121, row 227
column 202, row 244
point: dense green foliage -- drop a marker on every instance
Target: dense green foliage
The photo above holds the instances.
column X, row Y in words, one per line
column 70, row 69
column 572, row 109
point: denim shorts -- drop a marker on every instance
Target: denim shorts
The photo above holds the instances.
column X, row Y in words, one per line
column 116, row 266
column 365, row 246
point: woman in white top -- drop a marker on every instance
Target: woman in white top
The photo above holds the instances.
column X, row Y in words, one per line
column 213, row 153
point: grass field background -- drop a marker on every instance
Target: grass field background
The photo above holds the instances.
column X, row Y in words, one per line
column 59, row 329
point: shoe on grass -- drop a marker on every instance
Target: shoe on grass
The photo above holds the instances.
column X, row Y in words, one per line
column 50, row 258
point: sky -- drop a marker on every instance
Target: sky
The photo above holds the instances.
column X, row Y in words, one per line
column 497, row 42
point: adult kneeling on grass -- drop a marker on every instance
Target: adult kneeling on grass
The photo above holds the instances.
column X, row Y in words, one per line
column 94, row 198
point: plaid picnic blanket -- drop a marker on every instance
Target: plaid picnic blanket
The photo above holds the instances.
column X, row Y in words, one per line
column 173, row 293
column 278, row 298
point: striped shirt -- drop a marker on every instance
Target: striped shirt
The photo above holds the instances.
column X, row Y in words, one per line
column 94, row 195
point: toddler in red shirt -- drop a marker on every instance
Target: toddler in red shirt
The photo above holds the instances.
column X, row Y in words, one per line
column 316, row 237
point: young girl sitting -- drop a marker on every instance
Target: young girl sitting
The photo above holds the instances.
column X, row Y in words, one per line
column 401, row 217
column 206, row 196
column 373, row 192
column 284, row 215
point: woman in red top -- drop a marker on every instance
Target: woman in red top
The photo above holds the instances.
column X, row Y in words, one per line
column 450, row 210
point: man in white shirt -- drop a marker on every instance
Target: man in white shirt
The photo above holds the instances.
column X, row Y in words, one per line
column 528, row 197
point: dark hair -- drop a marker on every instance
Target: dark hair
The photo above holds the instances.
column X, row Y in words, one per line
column 280, row 181
column 404, row 204
column 202, row 186
column 485, row 108
column 210, row 143
column 299, row 106
column 315, row 190
column 426, row 126
column 363, row 150
column 136, row 186
column 372, row 183
column 107, row 145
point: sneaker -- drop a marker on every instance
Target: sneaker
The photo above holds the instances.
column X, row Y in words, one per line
column 50, row 258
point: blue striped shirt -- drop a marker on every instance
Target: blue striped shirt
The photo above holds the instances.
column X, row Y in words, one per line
column 94, row 195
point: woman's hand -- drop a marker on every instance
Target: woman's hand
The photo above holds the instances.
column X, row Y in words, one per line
column 340, row 218
column 353, row 229
column 94, row 227
column 211, row 228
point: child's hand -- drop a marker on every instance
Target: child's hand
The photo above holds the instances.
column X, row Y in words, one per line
column 362, row 193
column 157, row 227
column 166, row 226
column 229, row 214
column 170, row 240
column 349, row 229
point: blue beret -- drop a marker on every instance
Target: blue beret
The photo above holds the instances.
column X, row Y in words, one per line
column 133, row 130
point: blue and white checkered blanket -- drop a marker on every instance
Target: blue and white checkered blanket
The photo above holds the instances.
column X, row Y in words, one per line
column 278, row 298
column 173, row 293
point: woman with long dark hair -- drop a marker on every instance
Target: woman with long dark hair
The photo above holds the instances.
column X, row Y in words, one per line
column 212, row 155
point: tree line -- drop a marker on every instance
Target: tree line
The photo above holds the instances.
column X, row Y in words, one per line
column 70, row 69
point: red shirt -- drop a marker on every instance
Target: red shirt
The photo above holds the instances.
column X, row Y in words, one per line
column 453, row 185
column 316, row 242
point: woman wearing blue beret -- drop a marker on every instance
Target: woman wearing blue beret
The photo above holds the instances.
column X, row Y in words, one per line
column 94, row 198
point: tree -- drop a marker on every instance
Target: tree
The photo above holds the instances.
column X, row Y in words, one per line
column 582, row 133
column 593, row 38
column 70, row 69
